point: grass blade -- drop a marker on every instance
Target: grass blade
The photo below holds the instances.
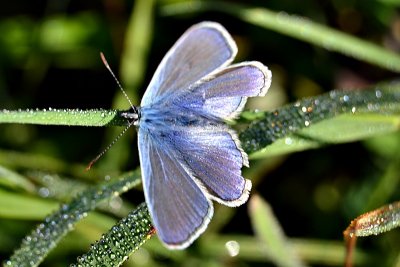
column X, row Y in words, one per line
column 47, row 235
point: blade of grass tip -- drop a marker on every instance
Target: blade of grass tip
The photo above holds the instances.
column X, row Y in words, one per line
column 374, row 222
column 267, row 228
column 63, row 189
column 297, row 27
column 67, row 117
column 47, row 235
column 383, row 99
column 12, row 179
column 122, row 240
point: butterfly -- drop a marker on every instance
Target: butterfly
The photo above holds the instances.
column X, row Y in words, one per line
column 189, row 156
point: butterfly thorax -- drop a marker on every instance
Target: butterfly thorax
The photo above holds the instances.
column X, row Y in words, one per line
column 132, row 115
column 157, row 119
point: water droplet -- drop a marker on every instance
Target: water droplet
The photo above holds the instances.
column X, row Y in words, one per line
column 115, row 203
column 233, row 248
column 282, row 17
column 288, row 141
column 44, row 192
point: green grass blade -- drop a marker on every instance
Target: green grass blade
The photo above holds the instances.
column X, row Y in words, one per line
column 47, row 235
column 24, row 207
column 334, row 117
column 12, row 179
column 268, row 229
column 123, row 239
column 137, row 44
column 300, row 28
column 376, row 222
column 250, row 248
column 69, row 117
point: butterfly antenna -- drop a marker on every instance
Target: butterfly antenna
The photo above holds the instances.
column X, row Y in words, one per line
column 103, row 58
column 108, row 147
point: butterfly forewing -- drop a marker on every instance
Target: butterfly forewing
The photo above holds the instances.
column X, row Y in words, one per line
column 203, row 48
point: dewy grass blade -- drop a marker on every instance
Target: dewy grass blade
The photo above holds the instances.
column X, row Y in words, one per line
column 123, row 239
column 46, row 236
column 299, row 28
column 380, row 99
column 69, row 117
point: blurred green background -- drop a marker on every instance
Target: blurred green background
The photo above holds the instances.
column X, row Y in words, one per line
column 49, row 57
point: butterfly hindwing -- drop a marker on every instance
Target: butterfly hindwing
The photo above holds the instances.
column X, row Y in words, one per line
column 178, row 206
column 214, row 156
column 224, row 93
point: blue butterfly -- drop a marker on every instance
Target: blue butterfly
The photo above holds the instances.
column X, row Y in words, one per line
column 188, row 155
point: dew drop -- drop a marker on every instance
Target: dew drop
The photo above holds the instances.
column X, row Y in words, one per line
column 288, row 141
column 44, row 192
column 282, row 17
column 232, row 247
column 115, row 203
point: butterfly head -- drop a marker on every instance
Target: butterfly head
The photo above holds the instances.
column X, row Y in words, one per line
column 132, row 116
